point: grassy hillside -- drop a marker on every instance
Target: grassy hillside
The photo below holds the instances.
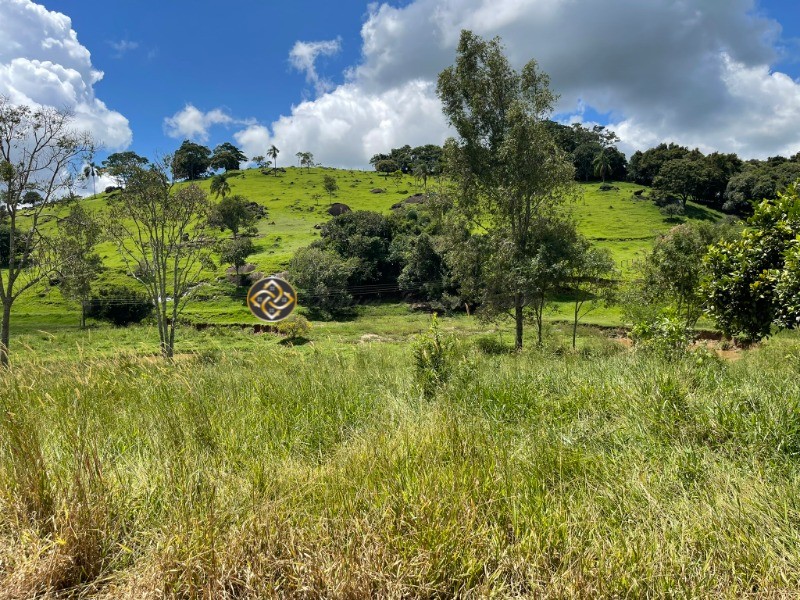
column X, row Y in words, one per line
column 296, row 202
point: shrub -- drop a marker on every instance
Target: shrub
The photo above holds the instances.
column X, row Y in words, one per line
column 120, row 305
column 665, row 335
column 672, row 211
column 432, row 353
column 295, row 327
column 321, row 277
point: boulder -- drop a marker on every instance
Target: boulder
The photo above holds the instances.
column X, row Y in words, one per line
column 337, row 208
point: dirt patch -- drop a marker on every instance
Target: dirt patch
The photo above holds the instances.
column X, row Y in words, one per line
column 368, row 338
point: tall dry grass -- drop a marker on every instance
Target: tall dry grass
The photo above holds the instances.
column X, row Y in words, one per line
column 331, row 474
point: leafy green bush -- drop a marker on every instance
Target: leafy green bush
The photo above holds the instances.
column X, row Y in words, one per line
column 665, row 335
column 119, row 305
column 294, row 328
column 432, row 353
column 320, row 277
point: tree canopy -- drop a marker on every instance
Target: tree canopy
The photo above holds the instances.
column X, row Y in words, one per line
column 190, row 161
column 227, row 156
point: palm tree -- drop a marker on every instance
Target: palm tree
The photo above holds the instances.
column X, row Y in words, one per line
column 422, row 171
column 220, row 186
column 91, row 170
column 602, row 164
column 273, row 154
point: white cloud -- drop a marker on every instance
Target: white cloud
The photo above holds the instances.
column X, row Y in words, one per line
column 42, row 63
column 303, row 57
column 697, row 73
column 192, row 123
column 348, row 125
column 122, row 47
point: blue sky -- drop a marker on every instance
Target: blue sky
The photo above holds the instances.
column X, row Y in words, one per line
column 719, row 75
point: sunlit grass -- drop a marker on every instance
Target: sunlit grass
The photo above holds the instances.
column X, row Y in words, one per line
column 322, row 471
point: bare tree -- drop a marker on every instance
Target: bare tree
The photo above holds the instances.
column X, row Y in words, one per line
column 160, row 234
column 38, row 152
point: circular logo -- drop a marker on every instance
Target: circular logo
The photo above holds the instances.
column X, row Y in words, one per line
column 271, row 299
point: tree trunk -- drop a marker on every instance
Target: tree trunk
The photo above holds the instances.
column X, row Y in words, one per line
column 539, row 318
column 518, row 318
column 575, row 326
column 5, row 334
column 83, row 314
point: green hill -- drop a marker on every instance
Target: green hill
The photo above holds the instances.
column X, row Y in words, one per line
column 296, row 202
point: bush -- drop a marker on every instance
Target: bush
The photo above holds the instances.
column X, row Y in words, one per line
column 665, row 335
column 119, row 305
column 321, row 277
column 432, row 358
column 295, row 327
column 672, row 211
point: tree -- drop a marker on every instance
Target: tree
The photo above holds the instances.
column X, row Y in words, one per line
column 273, row 154
column 235, row 252
column 752, row 279
column 220, row 186
column 602, row 164
column 386, row 167
column 673, row 271
column 121, row 165
column 232, row 213
column 305, row 159
column 159, row 233
column 91, row 170
column 227, row 156
column 422, row 171
column 330, row 185
column 190, row 161
column 644, row 166
column 592, row 269
column 321, row 277
column 260, row 161
column 683, row 177
column 38, row 146
column 510, row 174
column 78, row 263
column 365, row 238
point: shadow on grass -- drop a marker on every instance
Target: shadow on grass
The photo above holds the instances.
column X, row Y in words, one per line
column 291, row 342
column 699, row 213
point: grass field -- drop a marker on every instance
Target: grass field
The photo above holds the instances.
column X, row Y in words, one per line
column 296, row 202
column 252, row 469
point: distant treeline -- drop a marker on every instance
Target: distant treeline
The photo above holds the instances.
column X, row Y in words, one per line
column 678, row 174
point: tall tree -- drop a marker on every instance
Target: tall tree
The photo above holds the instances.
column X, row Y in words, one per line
column 330, row 185
column 121, row 165
column 602, row 164
column 91, row 170
column 160, row 235
column 227, row 156
column 38, row 147
column 190, row 160
column 273, row 154
column 511, row 176
column 78, row 263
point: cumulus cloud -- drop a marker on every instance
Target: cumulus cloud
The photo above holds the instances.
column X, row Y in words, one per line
column 348, row 125
column 192, row 123
column 303, row 57
column 43, row 63
column 697, row 73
